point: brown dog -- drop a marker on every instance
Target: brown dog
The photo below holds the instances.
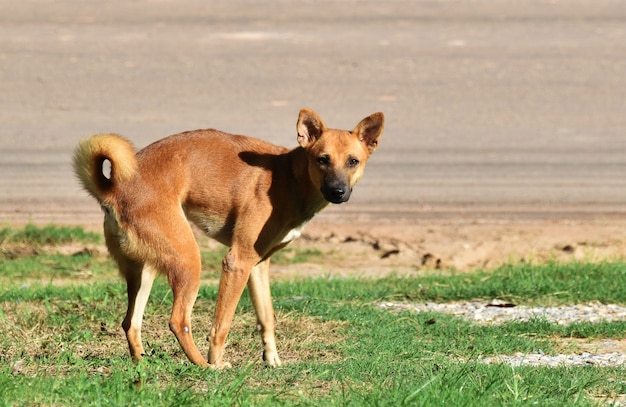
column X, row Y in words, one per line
column 248, row 194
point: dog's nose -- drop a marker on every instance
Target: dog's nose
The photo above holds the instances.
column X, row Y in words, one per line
column 339, row 192
column 336, row 193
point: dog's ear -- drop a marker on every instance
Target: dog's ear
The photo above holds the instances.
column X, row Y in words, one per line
column 369, row 130
column 310, row 127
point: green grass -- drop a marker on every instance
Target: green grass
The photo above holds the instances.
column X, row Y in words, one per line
column 51, row 234
column 61, row 343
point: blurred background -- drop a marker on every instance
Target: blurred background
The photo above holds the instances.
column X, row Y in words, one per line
column 506, row 108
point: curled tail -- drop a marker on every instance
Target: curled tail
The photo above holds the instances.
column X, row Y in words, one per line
column 89, row 157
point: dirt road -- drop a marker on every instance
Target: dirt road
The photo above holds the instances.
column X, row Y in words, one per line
column 498, row 113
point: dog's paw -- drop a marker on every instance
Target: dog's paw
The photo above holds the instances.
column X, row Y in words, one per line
column 220, row 365
column 271, row 358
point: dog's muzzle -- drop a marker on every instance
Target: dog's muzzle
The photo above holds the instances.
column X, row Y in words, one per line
column 336, row 194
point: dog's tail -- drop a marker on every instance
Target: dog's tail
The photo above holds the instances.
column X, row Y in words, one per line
column 90, row 156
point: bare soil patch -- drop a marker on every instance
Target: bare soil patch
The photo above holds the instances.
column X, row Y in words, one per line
column 378, row 247
column 369, row 242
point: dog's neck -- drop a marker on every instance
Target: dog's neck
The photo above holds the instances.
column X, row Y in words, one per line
column 309, row 198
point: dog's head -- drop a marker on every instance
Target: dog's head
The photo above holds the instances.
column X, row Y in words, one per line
column 337, row 157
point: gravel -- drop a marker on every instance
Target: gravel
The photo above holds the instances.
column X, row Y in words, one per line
column 539, row 359
column 498, row 312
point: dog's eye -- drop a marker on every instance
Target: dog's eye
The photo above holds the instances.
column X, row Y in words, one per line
column 353, row 162
column 323, row 160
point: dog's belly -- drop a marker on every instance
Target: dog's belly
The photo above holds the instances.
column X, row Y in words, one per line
column 216, row 228
column 213, row 226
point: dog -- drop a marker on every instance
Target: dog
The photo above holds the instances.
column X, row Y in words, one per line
column 251, row 195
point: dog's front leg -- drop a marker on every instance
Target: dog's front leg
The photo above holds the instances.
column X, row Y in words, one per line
column 259, row 288
column 236, row 268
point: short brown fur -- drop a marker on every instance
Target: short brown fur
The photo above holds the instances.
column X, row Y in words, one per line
column 248, row 194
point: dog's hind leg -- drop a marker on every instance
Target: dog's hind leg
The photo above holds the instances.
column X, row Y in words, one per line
column 180, row 322
column 259, row 288
column 139, row 281
column 183, row 267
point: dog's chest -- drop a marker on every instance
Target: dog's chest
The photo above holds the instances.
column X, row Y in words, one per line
column 292, row 235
